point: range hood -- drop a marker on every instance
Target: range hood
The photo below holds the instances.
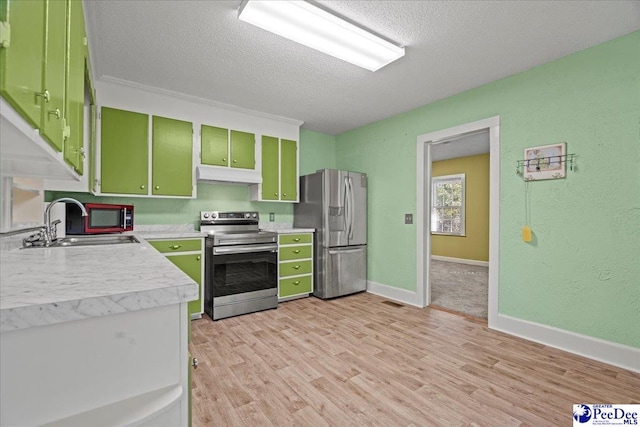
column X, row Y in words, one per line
column 214, row 174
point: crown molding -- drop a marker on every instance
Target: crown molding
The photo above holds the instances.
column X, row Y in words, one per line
column 198, row 100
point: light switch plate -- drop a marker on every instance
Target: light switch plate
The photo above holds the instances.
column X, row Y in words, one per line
column 408, row 218
column 272, row 216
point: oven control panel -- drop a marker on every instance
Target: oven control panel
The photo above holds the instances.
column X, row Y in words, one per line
column 216, row 216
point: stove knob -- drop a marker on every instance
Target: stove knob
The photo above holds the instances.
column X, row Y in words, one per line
column 205, row 215
column 255, row 215
column 247, row 215
column 214, row 215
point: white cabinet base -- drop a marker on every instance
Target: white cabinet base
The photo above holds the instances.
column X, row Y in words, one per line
column 124, row 369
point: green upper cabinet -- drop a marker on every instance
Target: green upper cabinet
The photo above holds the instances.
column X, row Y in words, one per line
column 270, row 168
column 221, row 147
column 53, row 112
column 124, row 152
column 21, row 56
column 279, row 171
column 243, row 150
column 42, row 54
column 289, row 170
column 125, row 155
column 172, row 167
column 214, row 145
column 75, row 82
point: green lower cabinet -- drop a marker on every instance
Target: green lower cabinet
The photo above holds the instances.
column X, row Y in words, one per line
column 186, row 254
column 287, row 253
column 295, row 267
column 294, row 286
column 192, row 266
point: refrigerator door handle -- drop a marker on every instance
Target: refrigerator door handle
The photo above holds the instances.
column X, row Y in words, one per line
column 347, row 207
column 352, row 204
column 336, row 251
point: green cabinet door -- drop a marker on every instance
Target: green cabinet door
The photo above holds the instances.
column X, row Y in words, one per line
column 124, row 151
column 270, row 168
column 192, row 266
column 288, row 169
column 243, row 149
column 74, row 107
column 214, row 143
column 21, row 58
column 172, row 157
column 54, row 73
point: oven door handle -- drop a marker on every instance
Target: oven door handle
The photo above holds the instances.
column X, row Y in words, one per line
column 244, row 249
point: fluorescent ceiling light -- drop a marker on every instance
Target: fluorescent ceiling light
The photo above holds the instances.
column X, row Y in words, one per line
column 311, row 26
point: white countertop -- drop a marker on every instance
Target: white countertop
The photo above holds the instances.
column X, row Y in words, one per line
column 42, row 286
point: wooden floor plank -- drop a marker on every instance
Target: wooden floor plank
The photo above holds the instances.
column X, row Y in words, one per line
column 358, row 361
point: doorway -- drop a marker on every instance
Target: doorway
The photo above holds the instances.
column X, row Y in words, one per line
column 459, row 264
column 425, row 148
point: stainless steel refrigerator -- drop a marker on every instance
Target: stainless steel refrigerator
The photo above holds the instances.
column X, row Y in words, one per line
column 334, row 202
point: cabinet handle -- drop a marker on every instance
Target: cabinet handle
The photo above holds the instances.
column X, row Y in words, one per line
column 275, row 194
column 296, row 267
column 142, row 187
column 297, row 239
column 194, row 363
column 297, row 251
column 45, row 95
column 224, row 159
column 157, row 187
column 235, row 161
column 297, row 282
column 198, row 258
column 175, row 247
column 284, row 194
column 55, row 112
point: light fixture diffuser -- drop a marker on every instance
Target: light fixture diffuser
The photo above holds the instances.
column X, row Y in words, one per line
column 314, row 27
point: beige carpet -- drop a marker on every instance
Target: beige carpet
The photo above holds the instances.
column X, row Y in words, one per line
column 460, row 287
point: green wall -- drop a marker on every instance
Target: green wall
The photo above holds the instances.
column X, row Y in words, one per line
column 474, row 244
column 316, row 151
column 581, row 271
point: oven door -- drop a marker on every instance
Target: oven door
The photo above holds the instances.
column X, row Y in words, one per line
column 238, row 270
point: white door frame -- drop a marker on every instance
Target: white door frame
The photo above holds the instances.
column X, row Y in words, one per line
column 423, row 205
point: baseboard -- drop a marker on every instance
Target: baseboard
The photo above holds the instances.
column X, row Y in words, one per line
column 612, row 353
column 460, row 260
column 393, row 293
column 615, row 354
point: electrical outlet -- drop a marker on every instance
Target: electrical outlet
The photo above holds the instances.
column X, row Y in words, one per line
column 272, row 216
column 408, row 218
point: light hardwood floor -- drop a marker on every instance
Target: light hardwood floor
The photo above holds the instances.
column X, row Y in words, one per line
column 359, row 360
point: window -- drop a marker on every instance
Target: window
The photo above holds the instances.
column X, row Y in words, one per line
column 447, row 205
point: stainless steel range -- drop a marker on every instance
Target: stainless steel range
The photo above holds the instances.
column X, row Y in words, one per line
column 241, row 264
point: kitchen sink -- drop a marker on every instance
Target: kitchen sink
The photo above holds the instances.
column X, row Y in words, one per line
column 94, row 240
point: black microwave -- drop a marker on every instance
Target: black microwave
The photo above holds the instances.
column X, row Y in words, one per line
column 101, row 218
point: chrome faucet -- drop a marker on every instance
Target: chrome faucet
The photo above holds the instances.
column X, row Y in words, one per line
column 50, row 230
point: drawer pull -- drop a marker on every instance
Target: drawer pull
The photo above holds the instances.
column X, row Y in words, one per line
column 174, row 247
column 198, row 258
column 297, row 251
column 297, row 239
column 224, row 159
column 296, row 267
column 45, row 95
column 142, row 187
column 297, row 282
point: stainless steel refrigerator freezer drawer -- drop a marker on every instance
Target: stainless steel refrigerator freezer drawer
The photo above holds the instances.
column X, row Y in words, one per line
column 344, row 272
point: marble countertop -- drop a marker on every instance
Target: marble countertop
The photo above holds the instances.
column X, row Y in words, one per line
column 284, row 228
column 43, row 286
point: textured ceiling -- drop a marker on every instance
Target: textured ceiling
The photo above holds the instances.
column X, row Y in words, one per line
column 200, row 48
